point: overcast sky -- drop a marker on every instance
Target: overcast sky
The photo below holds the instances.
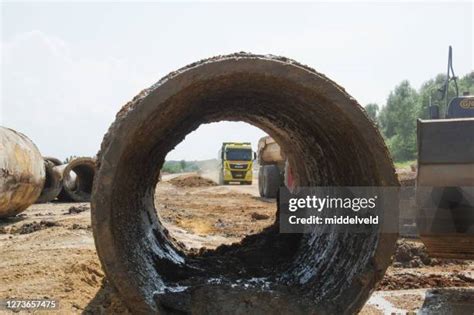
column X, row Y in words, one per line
column 68, row 68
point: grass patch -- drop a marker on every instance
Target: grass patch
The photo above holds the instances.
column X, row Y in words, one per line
column 404, row 164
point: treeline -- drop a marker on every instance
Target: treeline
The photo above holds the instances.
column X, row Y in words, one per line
column 397, row 118
column 183, row 166
column 179, row 166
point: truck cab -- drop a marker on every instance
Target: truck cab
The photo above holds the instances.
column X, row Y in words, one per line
column 236, row 163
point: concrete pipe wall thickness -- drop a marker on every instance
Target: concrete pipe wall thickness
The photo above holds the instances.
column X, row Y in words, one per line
column 327, row 137
column 22, row 172
column 54, row 180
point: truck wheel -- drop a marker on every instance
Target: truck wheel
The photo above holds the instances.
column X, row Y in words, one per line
column 271, row 175
column 261, row 181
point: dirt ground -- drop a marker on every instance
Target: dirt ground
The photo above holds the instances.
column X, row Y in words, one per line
column 232, row 211
column 48, row 252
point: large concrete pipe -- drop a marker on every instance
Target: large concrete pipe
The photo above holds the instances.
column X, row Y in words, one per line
column 53, row 183
column 78, row 176
column 22, row 172
column 327, row 137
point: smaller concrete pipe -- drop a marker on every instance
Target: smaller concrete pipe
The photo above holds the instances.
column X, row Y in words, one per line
column 78, row 177
column 54, row 180
column 53, row 160
column 22, row 172
column 63, row 194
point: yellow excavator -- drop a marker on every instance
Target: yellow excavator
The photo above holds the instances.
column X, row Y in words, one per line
column 445, row 178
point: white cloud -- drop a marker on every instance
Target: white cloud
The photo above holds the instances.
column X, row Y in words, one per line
column 63, row 90
column 63, row 101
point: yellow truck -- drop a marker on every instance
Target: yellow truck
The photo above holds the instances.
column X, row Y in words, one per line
column 236, row 163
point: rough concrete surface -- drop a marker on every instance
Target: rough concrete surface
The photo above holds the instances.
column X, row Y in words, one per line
column 326, row 136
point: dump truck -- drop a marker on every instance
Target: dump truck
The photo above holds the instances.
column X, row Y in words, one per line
column 236, row 163
column 445, row 178
column 274, row 170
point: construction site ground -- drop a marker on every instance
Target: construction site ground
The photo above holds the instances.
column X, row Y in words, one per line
column 48, row 251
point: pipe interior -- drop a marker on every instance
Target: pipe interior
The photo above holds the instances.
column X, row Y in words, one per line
column 84, row 177
column 322, row 144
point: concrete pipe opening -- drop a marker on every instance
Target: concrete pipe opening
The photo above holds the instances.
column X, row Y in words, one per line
column 328, row 139
column 78, row 177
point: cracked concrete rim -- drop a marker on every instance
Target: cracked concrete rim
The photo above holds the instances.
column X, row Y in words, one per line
column 328, row 139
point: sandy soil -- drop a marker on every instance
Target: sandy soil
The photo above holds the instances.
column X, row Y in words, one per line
column 231, row 212
column 48, row 251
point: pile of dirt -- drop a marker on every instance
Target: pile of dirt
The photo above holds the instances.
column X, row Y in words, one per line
column 192, row 181
column 34, row 226
column 78, row 209
column 407, row 177
column 412, row 254
column 448, row 301
column 405, row 281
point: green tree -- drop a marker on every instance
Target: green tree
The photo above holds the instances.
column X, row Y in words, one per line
column 466, row 83
column 372, row 110
column 431, row 90
column 182, row 164
column 171, row 167
column 69, row 159
column 398, row 121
